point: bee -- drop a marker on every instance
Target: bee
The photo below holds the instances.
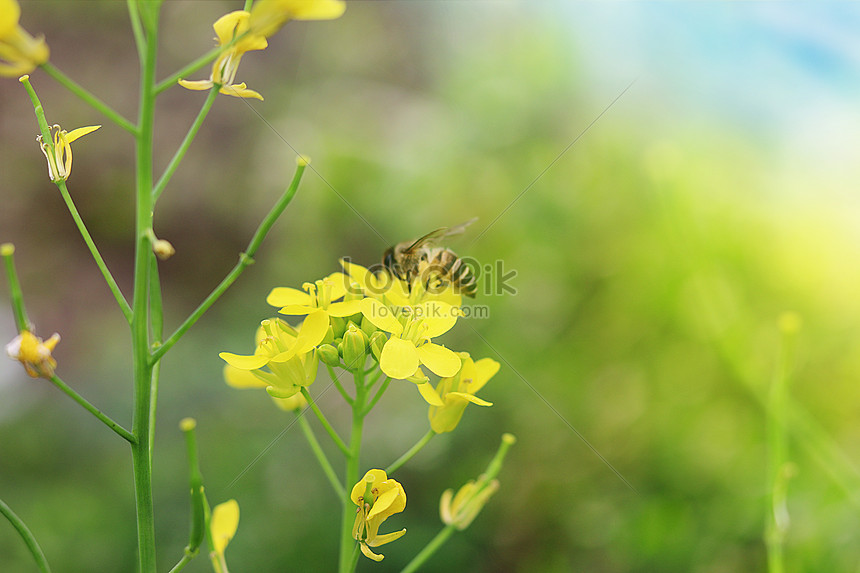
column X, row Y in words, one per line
column 422, row 257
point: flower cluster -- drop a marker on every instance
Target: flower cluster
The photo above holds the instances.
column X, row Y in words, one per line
column 348, row 319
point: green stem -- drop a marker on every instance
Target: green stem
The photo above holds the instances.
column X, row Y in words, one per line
column 156, row 312
column 89, row 98
column 198, row 502
column 776, row 523
column 429, row 549
column 27, row 536
column 338, row 385
column 186, row 143
column 321, row 458
column 141, row 452
column 347, row 543
column 136, row 28
column 378, row 395
column 411, row 452
column 189, row 69
column 245, row 260
column 324, row 421
column 100, row 263
column 7, row 251
column 122, row 432
column 186, row 559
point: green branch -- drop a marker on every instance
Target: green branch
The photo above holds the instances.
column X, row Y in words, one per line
column 7, row 251
column 27, row 536
column 321, row 458
column 105, row 419
column 324, row 421
column 419, row 445
column 245, row 260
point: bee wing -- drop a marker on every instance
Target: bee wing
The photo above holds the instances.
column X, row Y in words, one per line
column 439, row 233
column 458, row 229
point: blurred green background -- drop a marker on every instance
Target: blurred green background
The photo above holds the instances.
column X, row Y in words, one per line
column 656, row 241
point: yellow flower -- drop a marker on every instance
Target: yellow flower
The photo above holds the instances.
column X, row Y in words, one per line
column 411, row 330
column 377, row 498
column 222, row 526
column 316, row 300
column 228, row 27
column 461, row 509
column 20, row 52
column 60, row 158
column 289, row 356
column 34, row 353
column 267, row 16
column 458, row 391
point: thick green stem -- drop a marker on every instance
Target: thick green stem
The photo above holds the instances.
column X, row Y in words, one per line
column 122, row 432
column 89, row 98
column 321, row 457
column 141, row 453
column 27, row 536
column 347, row 543
column 245, row 260
column 412, row 451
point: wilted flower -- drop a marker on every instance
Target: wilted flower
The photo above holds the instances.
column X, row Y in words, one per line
column 34, row 353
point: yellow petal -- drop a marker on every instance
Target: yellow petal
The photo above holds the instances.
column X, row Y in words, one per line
column 439, row 317
column 196, row 85
column 429, row 394
column 312, row 332
column 231, row 25
column 296, row 310
column 357, row 273
column 390, row 501
column 240, row 90
column 387, row 538
column 223, row 524
column 485, row 369
column 370, row 554
column 80, row 132
column 347, row 308
column 238, row 378
column 244, row 362
column 438, row 359
column 399, row 359
column 358, row 489
column 283, row 296
column 317, row 9
column 10, row 14
column 381, row 317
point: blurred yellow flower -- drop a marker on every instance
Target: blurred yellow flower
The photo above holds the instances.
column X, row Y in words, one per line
column 60, row 157
column 20, row 53
column 227, row 28
column 223, row 525
column 377, row 498
column 34, row 353
column 318, row 299
column 267, row 16
column 289, row 356
column 456, row 392
column 461, row 509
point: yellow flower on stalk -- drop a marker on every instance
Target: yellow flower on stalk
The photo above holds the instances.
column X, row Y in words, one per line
column 227, row 27
column 377, row 498
column 461, row 509
column 457, row 392
column 60, row 157
column 34, row 353
column 268, row 16
column 317, row 299
column 20, row 53
column 223, row 524
column 288, row 355
column 411, row 330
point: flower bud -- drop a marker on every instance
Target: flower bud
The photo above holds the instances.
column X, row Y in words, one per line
column 377, row 341
column 329, row 355
column 367, row 326
column 353, row 347
column 163, row 249
column 338, row 326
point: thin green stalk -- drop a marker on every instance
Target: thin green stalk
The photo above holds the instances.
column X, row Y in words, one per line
column 105, row 419
column 324, row 421
column 136, row 28
column 777, row 520
column 419, row 445
column 186, row 143
column 7, row 251
column 186, row 559
column 328, row 470
column 189, row 69
column 430, row 549
column 27, row 536
column 141, row 453
column 89, row 98
column 100, row 263
column 156, row 313
column 245, row 260
column 378, row 394
column 346, row 563
column 338, row 385
column 198, row 501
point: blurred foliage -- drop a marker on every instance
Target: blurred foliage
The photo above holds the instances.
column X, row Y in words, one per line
column 652, row 258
